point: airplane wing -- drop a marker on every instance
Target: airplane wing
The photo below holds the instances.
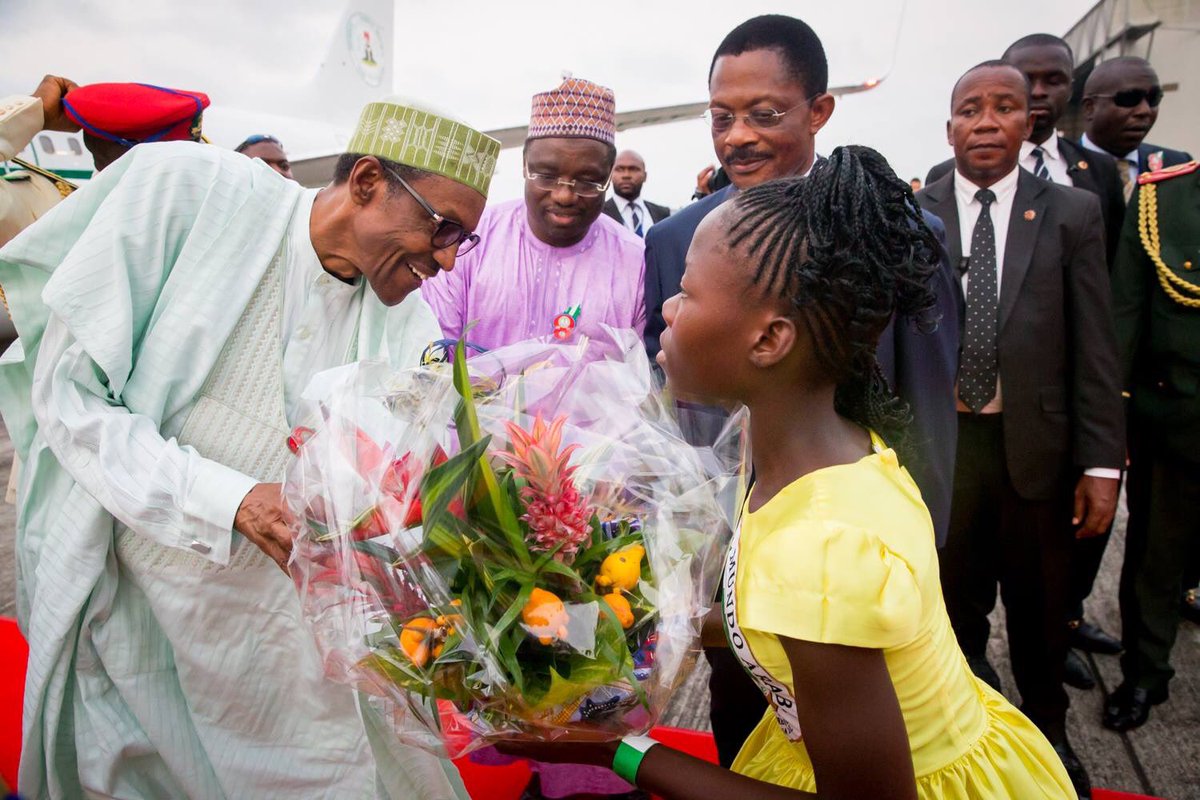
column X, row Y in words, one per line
column 317, row 170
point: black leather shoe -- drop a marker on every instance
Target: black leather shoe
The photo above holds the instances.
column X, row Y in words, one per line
column 1075, row 769
column 1091, row 639
column 1129, row 707
column 984, row 671
column 1077, row 673
column 1190, row 605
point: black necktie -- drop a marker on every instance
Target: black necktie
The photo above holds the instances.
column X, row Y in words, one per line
column 980, row 367
column 637, row 221
column 1039, row 166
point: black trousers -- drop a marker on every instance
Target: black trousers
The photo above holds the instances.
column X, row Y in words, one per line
column 1086, row 555
column 998, row 537
column 1162, row 547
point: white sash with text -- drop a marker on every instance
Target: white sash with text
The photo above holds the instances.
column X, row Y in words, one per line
column 776, row 693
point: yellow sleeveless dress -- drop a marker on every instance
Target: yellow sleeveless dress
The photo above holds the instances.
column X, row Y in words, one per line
column 845, row 555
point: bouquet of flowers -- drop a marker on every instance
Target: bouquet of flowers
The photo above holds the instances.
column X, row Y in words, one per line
column 516, row 546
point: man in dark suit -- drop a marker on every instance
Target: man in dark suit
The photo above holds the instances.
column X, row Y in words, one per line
column 1120, row 106
column 1049, row 64
column 1038, row 392
column 626, row 205
column 1157, row 310
column 768, row 99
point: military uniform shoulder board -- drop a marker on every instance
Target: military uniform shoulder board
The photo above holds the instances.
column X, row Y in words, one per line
column 65, row 187
column 1168, row 172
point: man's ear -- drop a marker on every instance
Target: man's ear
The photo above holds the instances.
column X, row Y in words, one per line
column 366, row 179
column 775, row 342
column 1089, row 108
column 821, row 110
column 949, row 135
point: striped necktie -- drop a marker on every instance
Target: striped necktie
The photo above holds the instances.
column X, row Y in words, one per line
column 637, row 220
column 1039, row 165
column 1127, row 181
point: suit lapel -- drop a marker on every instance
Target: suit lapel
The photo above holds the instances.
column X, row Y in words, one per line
column 1078, row 168
column 940, row 201
column 1028, row 211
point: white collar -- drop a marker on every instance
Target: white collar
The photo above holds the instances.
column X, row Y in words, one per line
column 1049, row 147
column 1131, row 156
column 1004, row 189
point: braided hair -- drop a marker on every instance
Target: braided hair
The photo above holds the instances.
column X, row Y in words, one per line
column 847, row 248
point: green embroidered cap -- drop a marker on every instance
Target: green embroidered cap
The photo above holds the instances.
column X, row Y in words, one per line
column 426, row 140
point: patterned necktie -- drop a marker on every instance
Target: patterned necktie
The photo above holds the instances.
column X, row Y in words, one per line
column 980, row 367
column 637, row 220
column 1126, row 178
column 1039, row 166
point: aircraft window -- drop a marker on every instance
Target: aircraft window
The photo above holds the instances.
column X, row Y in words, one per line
column 75, row 146
column 47, row 145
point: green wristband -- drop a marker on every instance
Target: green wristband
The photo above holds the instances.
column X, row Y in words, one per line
column 628, row 758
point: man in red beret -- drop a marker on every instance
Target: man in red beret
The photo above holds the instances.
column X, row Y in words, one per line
column 116, row 116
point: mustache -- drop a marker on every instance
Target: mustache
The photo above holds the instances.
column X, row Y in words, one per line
column 739, row 155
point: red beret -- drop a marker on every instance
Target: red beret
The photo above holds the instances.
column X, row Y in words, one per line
column 129, row 113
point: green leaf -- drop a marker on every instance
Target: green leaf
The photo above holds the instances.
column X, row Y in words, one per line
column 466, row 421
column 381, row 551
column 558, row 568
column 515, row 609
column 444, row 482
column 497, row 501
column 506, row 648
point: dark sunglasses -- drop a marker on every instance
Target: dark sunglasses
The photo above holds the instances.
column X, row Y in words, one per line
column 255, row 139
column 449, row 232
column 1132, row 98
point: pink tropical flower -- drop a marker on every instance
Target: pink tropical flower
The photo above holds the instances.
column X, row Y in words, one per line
column 555, row 512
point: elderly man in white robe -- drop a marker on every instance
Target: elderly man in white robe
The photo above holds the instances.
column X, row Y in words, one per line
column 170, row 315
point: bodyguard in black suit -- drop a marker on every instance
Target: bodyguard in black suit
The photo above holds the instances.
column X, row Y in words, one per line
column 634, row 212
column 1038, row 392
column 1048, row 64
column 768, row 99
column 1086, row 170
column 1120, row 106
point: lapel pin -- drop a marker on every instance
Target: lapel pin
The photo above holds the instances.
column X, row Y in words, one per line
column 1082, row 165
column 1030, row 215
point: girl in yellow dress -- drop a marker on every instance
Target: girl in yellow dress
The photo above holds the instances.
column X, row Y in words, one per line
column 832, row 598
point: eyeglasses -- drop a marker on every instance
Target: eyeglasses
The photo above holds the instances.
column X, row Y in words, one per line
column 1132, row 98
column 720, row 120
column 548, row 183
column 448, row 232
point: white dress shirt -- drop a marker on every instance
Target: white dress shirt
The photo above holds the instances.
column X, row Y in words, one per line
column 626, row 208
column 1056, row 165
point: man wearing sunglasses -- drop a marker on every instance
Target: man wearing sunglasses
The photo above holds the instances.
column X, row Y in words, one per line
column 169, row 323
column 269, row 150
column 1120, row 106
column 551, row 253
